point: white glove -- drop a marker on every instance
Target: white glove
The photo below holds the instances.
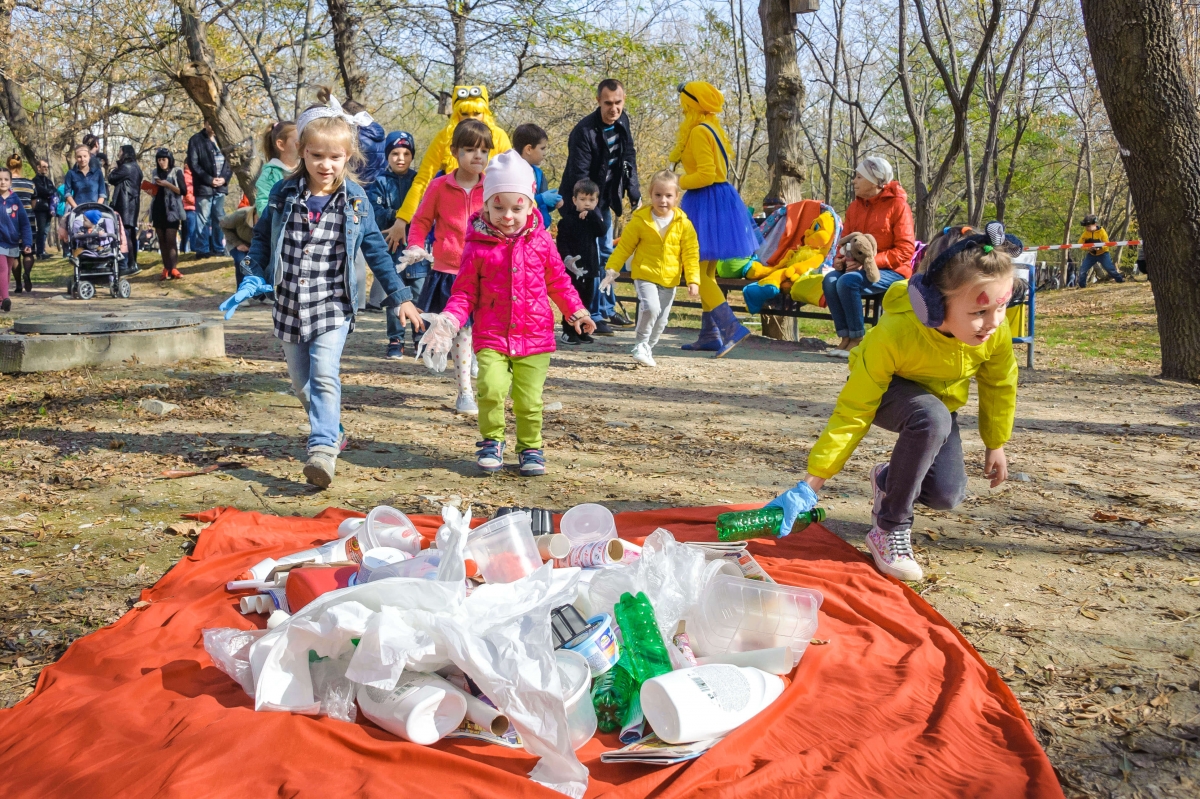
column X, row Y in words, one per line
column 437, row 340
column 570, row 262
column 610, row 278
column 411, row 256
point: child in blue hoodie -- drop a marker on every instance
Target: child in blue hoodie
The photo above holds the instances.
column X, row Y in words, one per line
column 16, row 236
column 531, row 142
column 387, row 195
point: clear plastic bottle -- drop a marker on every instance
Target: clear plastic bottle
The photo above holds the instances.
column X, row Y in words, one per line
column 641, row 639
column 761, row 523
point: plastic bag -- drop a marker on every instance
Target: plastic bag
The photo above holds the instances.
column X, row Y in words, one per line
column 332, row 689
column 671, row 574
column 412, row 255
column 437, row 340
column 453, row 544
column 229, row 649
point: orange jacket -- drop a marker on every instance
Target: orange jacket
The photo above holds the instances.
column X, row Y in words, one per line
column 887, row 217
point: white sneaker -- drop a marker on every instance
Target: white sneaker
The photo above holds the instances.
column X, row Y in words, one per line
column 894, row 555
column 837, row 353
column 465, row 404
column 877, row 493
column 641, row 354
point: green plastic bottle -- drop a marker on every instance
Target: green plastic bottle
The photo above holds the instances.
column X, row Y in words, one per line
column 612, row 696
column 761, row 523
column 640, row 638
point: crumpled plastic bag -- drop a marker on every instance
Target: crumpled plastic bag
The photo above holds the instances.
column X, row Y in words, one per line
column 229, row 649
column 332, row 689
column 672, row 575
column 437, row 340
column 452, row 543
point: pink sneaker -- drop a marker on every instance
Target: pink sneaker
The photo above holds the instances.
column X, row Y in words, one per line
column 877, row 493
column 893, row 554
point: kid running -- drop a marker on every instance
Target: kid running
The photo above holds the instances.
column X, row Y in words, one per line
column 664, row 247
column 16, row 236
column 910, row 375
column 447, row 207
column 532, row 142
column 578, row 234
column 510, row 272
column 316, row 222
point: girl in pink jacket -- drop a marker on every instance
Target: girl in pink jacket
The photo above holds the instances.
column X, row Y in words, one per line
column 510, row 271
column 447, row 207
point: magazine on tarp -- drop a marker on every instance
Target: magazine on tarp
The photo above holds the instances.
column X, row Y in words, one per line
column 651, row 749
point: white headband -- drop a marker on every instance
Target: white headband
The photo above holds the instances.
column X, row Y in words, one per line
column 362, row 119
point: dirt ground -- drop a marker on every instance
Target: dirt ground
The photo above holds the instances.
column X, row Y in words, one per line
column 1079, row 580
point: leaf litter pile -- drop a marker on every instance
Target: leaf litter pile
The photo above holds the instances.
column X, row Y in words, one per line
column 1078, row 580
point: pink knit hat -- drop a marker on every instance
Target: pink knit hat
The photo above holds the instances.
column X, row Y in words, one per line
column 508, row 172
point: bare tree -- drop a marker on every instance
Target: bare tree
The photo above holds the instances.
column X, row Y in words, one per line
column 1136, row 53
column 785, row 99
column 346, row 26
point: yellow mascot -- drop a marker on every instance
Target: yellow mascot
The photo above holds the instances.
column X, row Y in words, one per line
column 798, row 272
column 470, row 102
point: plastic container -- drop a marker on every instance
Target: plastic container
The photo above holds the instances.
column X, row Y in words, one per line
column 422, row 567
column 587, row 523
column 576, row 682
column 761, row 523
column 422, row 708
column 387, row 527
column 738, row 615
column 706, row 701
column 377, row 558
column 504, row 549
column 778, row 660
column 597, row 644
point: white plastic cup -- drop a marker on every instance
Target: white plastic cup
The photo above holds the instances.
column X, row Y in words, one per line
column 377, row 558
column 587, row 523
column 576, row 679
column 504, row 549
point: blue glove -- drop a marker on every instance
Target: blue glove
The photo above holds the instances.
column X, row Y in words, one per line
column 251, row 286
column 794, row 501
column 549, row 198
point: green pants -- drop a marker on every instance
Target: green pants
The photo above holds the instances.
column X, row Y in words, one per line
column 526, row 376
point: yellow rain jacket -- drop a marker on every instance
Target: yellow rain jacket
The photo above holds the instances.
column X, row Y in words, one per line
column 661, row 259
column 1091, row 237
column 469, row 99
column 900, row 345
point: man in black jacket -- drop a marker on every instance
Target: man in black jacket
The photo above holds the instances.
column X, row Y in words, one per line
column 601, row 148
column 210, row 183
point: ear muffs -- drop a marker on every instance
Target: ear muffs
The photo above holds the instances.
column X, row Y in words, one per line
column 927, row 300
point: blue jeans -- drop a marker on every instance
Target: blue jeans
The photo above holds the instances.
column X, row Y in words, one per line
column 207, row 237
column 1104, row 260
column 315, row 368
column 188, row 230
column 604, row 303
column 843, row 294
column 239, row 258
column 395, row 329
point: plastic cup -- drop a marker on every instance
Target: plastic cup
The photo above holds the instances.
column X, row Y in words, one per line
column 587, row 523
column 504, row 549
column 576, row 680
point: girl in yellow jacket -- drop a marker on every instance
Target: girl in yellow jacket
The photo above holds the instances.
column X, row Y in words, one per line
column 663, row 244
column 910, row 375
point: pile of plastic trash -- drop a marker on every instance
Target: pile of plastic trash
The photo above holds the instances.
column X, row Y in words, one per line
column 521, row 636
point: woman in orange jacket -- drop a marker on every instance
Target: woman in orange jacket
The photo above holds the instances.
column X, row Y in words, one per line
column 880, row 207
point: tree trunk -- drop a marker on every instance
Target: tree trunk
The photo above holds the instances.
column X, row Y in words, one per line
column 204, row 86
column 1155, row 119
column 345, row 26
column 785, row 99
column 11, row 98
column 1066, row 254
column 302, row 61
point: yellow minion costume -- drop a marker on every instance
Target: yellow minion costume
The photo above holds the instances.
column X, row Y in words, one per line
column 722, row 221
column 469, row 102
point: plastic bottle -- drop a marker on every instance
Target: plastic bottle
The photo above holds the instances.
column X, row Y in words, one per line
column 422, row 708
column 761, row 523
column 612, row 695
column 641, row 639
column 706, row 701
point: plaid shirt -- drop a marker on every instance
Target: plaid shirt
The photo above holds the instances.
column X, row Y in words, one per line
column 311, row 298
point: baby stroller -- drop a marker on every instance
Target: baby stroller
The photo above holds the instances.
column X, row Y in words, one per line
column 95, row 243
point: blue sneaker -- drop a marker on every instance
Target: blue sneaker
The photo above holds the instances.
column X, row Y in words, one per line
column 489, row 455
column 533, row 463
column 343, row 439
column 395, row 349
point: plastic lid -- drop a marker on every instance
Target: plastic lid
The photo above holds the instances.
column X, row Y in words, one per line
column 574, row 674
column 588, row 522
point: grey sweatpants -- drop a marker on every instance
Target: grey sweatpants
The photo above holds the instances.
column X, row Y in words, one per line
column 927, row 461
column 654, row 309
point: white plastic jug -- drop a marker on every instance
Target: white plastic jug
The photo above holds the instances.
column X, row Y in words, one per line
column 705, row 702
column 422, row 708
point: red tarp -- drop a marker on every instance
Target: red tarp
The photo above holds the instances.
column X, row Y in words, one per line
column 896, row 704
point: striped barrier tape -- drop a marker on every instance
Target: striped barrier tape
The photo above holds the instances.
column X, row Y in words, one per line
column 1130, row 243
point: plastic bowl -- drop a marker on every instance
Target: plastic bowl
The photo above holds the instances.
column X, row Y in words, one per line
column 740, row 615
column 388, row 527
column 587, row 523
column 576, row 679
column 504, row 549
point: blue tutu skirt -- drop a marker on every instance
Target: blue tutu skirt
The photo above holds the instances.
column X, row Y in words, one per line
column 436, row 292
column 722, row 222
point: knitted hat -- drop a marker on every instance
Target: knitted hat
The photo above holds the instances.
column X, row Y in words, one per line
column 92, row 216
column 876, row 169
column 701, row 95
column 400, row 138
column 508, row 172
